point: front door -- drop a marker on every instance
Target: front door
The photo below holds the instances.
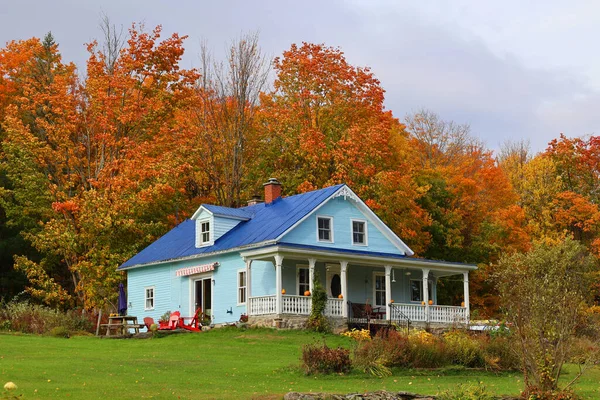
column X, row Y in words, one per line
column 203, row 295
column 334, row 281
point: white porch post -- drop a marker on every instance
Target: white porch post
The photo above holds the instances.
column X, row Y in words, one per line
column 311, row 273
column 248, row 281
column 343, row 278
column 278, row 283
column 388, row 292
column 466, row 298
column 426, row 293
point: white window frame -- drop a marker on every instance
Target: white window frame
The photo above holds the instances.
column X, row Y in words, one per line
column 146, row 298
column 375, row 275
column 201, row 240
column 298, row 268
column 330, row 228
column 366, row 242
column 239, row 288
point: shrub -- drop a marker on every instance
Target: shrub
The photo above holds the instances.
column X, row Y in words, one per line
column 463, row 349
column 358, row 335
column 317, row 359
column 59, row 331
column 317, row 321
column 426, row 351
column 33, row 318
column 499, row 354
column 583, row 350
column 535, row 393
column 387, row 349
column 467, row 392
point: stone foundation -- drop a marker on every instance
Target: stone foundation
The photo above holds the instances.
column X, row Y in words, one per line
column 285, row 321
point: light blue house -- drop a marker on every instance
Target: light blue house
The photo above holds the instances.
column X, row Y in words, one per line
column 260, row 261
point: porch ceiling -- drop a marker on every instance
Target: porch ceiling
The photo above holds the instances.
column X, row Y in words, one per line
column 298, row 252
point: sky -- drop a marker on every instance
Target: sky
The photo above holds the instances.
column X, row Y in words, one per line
column 512, row 70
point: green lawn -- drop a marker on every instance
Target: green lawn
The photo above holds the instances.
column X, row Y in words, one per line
column 222, row 363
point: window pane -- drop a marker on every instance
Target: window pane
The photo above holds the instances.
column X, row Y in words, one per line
column 415, row 290
column 358, row 232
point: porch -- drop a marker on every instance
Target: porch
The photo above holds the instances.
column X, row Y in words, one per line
column 302, row 305
column 279, row 283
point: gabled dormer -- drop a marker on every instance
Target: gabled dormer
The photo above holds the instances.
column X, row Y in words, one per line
column 212, row 222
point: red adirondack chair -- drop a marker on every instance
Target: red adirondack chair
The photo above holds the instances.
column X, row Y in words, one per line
column 194, row 324
column 173, row 322
column 148, row 321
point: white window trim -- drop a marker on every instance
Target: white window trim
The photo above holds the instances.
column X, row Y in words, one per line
column 237, row 278
column 146, row 298
column 298, row 267
column 374, row 289
column 364, row 221
column 330, row 228
column 211, row 229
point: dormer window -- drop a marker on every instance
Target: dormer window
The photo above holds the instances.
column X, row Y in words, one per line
column 325, row 229
column 359, row 232
column 204, row 232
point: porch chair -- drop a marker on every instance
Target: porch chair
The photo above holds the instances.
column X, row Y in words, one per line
column 174, row 320
column 194, row 324
column 148, row 321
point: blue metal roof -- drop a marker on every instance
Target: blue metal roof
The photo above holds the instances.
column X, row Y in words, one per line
column 268, row 222
column 239, row 213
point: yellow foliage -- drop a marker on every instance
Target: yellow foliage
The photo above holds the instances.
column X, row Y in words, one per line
column 358, row 335
column 422, row 336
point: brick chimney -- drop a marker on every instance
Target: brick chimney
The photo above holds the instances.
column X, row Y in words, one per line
column 272, row 190
column 254, row 200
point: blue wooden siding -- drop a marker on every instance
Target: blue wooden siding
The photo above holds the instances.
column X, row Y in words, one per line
column 342, row 211
column 172, row 293
column 360, row 281
column 223, row 225
column 263, row 278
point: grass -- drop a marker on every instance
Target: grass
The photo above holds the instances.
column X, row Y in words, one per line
column 220, row 364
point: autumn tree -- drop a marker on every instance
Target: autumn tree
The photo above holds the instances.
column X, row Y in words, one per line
column 224, row 117
column 102, row 158
column 325, row 123
column 543, row 292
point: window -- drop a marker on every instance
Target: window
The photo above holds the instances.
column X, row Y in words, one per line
column 204, row 232
column 359, row 232
column 379, row 289
column 149, row 303
column 416, row 286
column 303, row 280
column 324, row 229
column 241, row 286
column 416, row 290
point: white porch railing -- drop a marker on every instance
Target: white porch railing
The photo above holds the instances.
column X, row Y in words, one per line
column 447, row 314
column 414, row 312
column 299, row 305
column 334, row 307
column 292, row 304
column 417, row 312
column 262, row 305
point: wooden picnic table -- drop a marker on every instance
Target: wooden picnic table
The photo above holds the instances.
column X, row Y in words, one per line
column 121, row 325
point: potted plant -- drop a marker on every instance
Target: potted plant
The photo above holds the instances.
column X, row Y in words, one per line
column 163, row 321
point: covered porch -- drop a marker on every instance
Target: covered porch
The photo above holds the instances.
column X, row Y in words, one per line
column 392, row 288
